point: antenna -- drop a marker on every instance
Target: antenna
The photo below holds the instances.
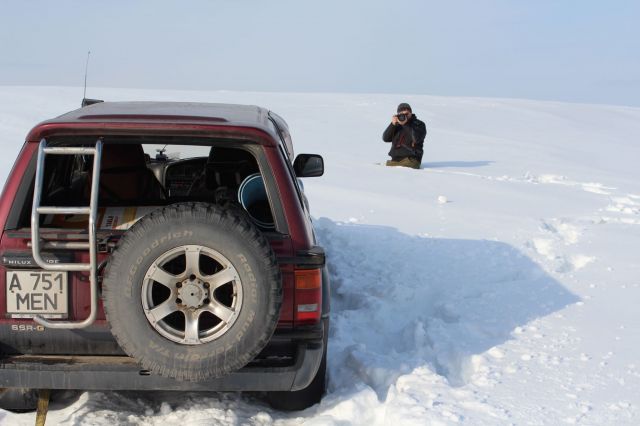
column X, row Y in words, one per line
column 85, row 101
column 86, row 71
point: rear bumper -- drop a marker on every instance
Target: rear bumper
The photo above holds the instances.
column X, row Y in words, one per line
column 124, row 373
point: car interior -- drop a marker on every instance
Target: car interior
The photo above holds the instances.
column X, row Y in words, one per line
column 131, row 176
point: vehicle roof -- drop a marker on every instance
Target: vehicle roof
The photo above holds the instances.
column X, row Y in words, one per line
column 166, row 113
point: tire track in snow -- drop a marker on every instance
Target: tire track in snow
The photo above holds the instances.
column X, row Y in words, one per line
column 619, row 202
column 556, row 234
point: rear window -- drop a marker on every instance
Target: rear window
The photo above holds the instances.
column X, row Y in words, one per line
column 139, row 175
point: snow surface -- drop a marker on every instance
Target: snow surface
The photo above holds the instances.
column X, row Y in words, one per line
column 499, row 284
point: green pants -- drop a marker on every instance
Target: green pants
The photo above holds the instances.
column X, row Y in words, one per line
column 405, row 162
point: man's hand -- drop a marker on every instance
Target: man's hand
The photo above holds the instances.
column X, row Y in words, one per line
column 394, row 120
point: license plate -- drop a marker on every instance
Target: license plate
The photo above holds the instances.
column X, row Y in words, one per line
column 41, row 293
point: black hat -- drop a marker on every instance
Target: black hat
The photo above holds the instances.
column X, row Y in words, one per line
column 404, row 106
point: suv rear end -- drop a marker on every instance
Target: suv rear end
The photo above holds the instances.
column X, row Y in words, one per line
column 235, row 162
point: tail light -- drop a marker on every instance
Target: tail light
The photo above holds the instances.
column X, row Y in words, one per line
column 308, row 296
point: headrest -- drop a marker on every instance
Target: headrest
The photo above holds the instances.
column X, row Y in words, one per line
column 129, row 156
column 228, row 155
column 226, row 167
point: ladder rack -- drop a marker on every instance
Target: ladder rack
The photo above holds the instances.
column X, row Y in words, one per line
column 91, row 211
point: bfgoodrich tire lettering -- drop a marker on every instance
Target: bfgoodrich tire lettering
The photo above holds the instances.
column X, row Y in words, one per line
column 193, row 291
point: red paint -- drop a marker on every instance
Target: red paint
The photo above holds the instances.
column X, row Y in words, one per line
column 145, row 128
column 13, row 181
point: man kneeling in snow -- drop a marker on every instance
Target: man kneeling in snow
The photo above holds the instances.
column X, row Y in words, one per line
column 406, row 134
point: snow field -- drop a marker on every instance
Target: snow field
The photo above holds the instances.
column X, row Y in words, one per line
column 497, row 285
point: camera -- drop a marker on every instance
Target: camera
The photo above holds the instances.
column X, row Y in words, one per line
column 402, row 117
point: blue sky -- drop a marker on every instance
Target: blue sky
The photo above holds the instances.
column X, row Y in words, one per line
column 581, row 51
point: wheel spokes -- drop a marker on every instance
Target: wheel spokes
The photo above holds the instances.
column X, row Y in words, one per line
column 220, row 278
column 224, row 313
column 162, row 310
column 191, row 293
column 161, row 276
column 191, row 329
column 192, row 255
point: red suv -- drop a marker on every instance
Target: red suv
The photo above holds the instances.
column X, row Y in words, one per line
column 153, row 245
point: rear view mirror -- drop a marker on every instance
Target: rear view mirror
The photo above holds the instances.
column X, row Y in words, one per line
column 308, row 165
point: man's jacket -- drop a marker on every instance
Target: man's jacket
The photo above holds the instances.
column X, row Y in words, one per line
column 406, row 140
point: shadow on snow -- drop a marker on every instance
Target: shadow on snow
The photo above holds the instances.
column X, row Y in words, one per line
column 401, row 302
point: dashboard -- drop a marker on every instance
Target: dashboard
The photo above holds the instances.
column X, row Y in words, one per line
column 180, row 175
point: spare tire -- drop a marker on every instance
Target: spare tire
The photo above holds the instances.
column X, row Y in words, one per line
column 193, row 291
